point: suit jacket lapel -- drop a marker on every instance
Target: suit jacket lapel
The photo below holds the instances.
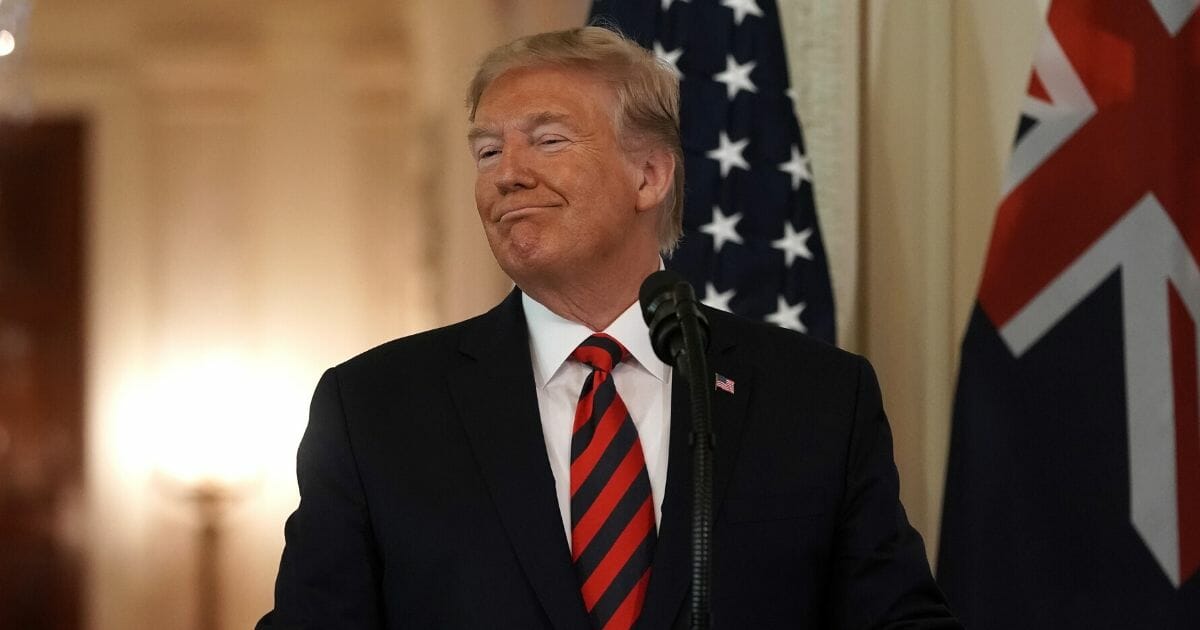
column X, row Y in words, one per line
column 495, row 397
column 670, row 576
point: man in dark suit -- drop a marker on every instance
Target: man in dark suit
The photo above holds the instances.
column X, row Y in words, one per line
column 529, row 468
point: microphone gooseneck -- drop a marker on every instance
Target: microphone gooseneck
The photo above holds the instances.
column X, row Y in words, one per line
column 679, row 335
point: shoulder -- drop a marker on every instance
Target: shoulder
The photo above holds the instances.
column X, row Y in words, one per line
column 417, row 358
column 435, row 345
column 423, row 358
column 773, row 347
column 793, row 371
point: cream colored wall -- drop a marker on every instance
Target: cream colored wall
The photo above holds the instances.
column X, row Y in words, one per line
column 942, row 85
column 276, row 185
column 909, row 107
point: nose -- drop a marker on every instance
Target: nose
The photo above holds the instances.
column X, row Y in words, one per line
column 513, row 172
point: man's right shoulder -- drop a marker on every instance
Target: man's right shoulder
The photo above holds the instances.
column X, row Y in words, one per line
column 437, row 351
column 431, row 348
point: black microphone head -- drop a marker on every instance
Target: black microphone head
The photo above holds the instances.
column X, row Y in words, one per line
column 688, row 307
column 656, row 287
column 657, row 299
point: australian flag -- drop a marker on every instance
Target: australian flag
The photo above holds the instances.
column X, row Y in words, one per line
column 751, row 240
column 1073, row 489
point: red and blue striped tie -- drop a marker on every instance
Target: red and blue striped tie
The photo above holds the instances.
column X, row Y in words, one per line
column 612, row 513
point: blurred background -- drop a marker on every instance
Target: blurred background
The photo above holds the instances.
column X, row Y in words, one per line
column 205, row 204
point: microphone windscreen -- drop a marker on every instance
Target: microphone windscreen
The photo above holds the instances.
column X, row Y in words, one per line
column 654, row 288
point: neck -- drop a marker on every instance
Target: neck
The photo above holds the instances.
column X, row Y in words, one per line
column 596, row 300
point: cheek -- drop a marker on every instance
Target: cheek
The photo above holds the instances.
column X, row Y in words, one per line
column 482, row 200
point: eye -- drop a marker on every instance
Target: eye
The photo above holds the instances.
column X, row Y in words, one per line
column 550, row 141
column 487, row 152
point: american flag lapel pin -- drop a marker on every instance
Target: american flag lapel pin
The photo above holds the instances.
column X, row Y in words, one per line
column 724, row 383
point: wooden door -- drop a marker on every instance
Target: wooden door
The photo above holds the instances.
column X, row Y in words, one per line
column 41, row 373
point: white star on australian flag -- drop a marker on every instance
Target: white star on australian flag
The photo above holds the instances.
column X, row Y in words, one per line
column 752, row 244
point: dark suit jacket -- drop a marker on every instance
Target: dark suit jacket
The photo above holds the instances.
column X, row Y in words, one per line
column 427, row 501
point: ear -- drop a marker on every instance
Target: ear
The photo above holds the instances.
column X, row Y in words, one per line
column 656, row 177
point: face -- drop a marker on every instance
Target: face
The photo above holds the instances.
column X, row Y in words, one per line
column 555, row 191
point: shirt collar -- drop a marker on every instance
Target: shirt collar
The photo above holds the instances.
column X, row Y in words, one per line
column 553, row 338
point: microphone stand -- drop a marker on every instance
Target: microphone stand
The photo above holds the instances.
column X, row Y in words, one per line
column 694, row 365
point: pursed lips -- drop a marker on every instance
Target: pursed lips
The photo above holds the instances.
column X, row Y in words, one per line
column 512, row 214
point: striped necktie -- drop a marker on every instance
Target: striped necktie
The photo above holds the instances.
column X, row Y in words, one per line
column 612, row 513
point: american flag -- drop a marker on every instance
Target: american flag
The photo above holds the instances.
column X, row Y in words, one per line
column 751, row 241
column 724, row 383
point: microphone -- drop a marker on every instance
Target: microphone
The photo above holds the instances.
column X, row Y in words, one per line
column 669, row 307
column 679, row 334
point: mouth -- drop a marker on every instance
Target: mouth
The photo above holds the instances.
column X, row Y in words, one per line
column 520, row 212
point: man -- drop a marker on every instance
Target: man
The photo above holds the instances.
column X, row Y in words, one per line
column 519, row 470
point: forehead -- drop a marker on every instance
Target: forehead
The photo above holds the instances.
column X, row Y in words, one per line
column 575, row 94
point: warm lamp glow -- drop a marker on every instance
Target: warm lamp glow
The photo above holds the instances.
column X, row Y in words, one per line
column 8, row 43
column 206, row 419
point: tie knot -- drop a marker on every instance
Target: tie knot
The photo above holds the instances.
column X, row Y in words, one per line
column 601, row 352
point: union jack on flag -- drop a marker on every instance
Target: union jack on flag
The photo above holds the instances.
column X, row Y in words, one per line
column 751, row 241
column 1073, row 490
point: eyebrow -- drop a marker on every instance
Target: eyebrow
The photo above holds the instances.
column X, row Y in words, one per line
column 531, row 122
column 537, row 120
column 475, row 133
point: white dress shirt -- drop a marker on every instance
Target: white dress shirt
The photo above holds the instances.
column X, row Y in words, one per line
column 642, row 381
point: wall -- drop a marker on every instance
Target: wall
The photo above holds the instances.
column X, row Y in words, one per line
column 909, row 108
column 941, row 88
column 276, row 185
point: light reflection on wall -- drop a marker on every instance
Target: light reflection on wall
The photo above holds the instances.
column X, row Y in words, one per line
column 14, row 85
column 214, row 417
column 8, row 43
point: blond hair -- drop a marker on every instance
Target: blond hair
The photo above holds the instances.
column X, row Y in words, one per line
column 647, row 94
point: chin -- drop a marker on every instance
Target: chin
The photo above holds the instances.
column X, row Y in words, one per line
column 535, row 267
column 524, row 268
